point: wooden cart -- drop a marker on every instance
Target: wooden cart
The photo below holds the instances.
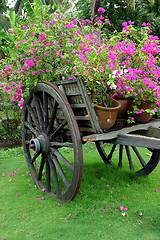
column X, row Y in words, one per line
column 57, row 118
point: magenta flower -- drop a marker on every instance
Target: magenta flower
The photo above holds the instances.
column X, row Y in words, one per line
column 36, row 196
column 11, row 174
column 122, row 208
column 107, row 185
column 43, row 189
column 156, row 190
column 100, row 9
column 140, row 214
column 32, row 25
column 131, row 22
column 57, row 71
column 59, row 204
column 69, row 214
column 42, row 198
column 17, row 194
column 3, row 174
column 22, row 175
column 11, row 30
column 124, row 24
column 24, row 27
column 4, row 167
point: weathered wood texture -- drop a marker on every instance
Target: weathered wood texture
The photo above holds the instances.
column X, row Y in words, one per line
column 79, row 99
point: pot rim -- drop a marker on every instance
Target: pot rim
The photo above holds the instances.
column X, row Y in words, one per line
column 109, row 108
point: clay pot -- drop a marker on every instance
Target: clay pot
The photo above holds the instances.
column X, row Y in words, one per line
column 107, row 115
column 144, row 116
column 125, row 106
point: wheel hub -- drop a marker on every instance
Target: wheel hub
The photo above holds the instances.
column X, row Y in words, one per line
column 40, row 144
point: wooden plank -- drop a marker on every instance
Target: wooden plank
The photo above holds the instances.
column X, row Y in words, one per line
column 90, row 108
column 136, row 140
column 113, row 134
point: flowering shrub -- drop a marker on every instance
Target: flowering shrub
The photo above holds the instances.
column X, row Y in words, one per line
column 57, row 46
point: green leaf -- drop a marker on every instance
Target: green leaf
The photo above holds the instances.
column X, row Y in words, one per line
column 29, row 8
column 12, row 18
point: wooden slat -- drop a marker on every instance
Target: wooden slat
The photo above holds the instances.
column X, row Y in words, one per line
column 113, row 134
column 136, row 140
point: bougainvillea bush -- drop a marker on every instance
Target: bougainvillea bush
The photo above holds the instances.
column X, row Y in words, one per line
column 57, row 46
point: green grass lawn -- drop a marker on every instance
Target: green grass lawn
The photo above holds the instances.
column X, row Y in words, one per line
column 95, row 212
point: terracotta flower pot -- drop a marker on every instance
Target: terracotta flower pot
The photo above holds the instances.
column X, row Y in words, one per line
column 107, row 115
column 125, row 106
column 144, row 116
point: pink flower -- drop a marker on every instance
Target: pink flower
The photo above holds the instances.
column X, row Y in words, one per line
column 156, row 190
column 32, row 25
column 11, row 30
column 18, row 169
column 11, row 175
column 22, row 175
column 124, row 24
column 59, row 204
column 69, row 214
column 43, row 189
column 3, row 174
column 122, row 208
column 24, row 27
column 33, row 33
column 143, row 24
column 140, row 214
column 57, row 71
column 17, row 194
column 36, row 196
column 100, row 9
column 149, row 30
column 130, row 22
column 42, row 198
column 4, row 167
column 107, row 185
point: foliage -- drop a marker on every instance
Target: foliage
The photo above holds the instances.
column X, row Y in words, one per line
column 118, row 12
column 51, row 47
column 10, row 117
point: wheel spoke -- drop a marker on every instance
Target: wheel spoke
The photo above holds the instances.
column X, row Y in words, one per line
column 60, row 171
column 55, row 177
column 34, row 118
column 41, row 168
column 28, row 125
column 48, row 188
column 58, row 129
column 53, row 115
column 143, row 163
column 129, row 158
column 60, row 156
column 111, row 152
column 39, row 111
column 34, row 157
column 120, row 155
column 45, row 106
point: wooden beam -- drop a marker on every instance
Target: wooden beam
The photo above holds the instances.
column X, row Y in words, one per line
column 136, row 140
column 114, row 133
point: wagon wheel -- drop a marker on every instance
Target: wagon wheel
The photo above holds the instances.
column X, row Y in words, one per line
column 51, row 142
column 140, row 160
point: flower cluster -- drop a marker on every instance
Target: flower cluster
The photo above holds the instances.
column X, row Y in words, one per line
column 59, row 46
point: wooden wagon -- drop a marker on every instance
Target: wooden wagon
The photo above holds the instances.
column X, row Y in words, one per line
column 57, row 118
